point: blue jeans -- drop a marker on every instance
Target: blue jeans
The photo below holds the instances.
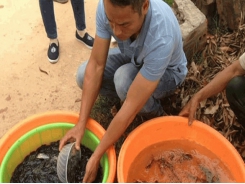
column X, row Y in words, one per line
column 47, row 11
column 118, row 76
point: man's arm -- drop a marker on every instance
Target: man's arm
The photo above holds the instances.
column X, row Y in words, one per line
column 91, row 86
column 93, row 77
column 216, row 85
column 138, row 94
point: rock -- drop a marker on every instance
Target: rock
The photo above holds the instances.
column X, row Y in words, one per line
column 193, row 27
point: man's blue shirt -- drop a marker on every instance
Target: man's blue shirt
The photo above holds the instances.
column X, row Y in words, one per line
column 159, row 45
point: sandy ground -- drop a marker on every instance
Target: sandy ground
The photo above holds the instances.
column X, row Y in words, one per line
column 24, row 90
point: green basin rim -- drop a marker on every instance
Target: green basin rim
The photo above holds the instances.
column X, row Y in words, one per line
column 54, row 125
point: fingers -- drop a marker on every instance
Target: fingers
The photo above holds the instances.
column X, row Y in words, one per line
column 85, row 178
column 192, row 114
column 183, row 113
column 62, row 143
column 91, row 169
column 64, row 140
column 77, row 144
column 189, row 111
column 72, row 135
column 188, row 115
column 190, row 121
column 89, row 177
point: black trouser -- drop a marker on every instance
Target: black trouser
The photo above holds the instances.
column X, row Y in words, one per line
column 235, row 93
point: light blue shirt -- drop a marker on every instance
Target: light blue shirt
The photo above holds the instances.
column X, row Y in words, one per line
column 159, row 45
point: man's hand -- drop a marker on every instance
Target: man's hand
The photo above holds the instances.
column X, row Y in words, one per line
column 74, row 134
column 190, row 110
column 91, row 169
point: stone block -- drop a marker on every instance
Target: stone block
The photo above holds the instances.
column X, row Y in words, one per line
column 208, row 8
column 193, row 24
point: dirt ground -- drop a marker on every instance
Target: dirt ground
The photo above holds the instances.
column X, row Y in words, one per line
column 25, row 90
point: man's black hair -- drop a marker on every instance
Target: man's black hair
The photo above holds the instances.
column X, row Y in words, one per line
column 136, row 4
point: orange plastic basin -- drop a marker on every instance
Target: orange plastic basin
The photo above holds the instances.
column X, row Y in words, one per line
column 176, row 128
column 36, row 121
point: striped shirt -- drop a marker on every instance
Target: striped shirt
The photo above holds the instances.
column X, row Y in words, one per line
column 158, row 46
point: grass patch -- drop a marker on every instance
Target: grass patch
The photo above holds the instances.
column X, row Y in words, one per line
column 169, row 2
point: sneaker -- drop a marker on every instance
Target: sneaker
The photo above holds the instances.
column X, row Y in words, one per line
column 53, row 53
column 87, row 40
column 61, row 1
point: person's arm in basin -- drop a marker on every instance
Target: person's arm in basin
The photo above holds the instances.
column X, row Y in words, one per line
column 92, row 82
column 131, row 106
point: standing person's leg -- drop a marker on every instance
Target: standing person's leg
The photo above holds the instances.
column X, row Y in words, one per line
column 47, row 12
column 235, row 93
column 79, row 15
